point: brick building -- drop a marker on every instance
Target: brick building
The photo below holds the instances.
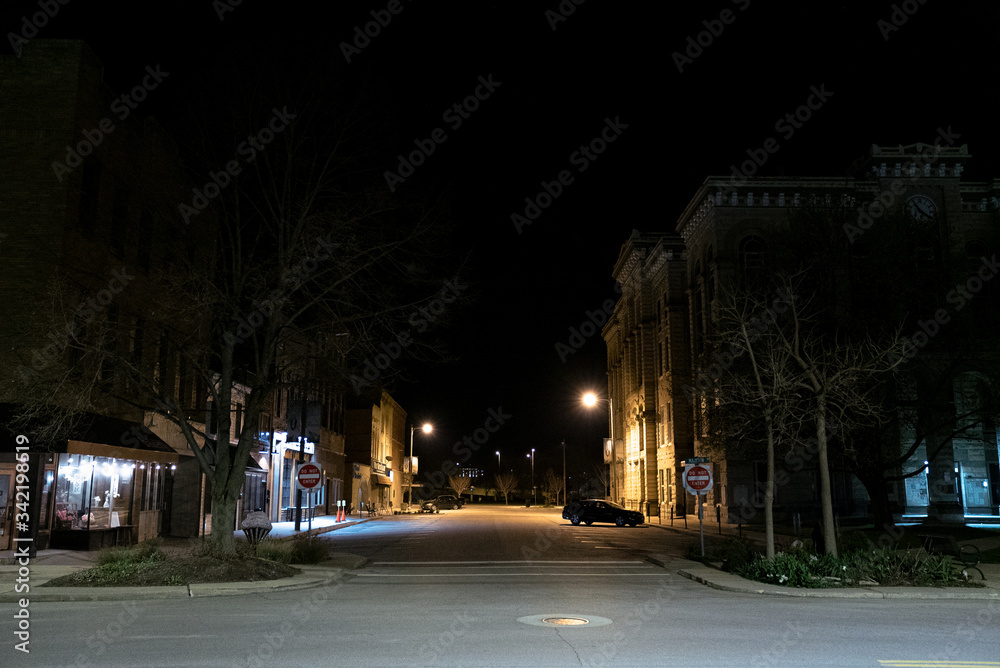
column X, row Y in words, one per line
column 656, row 338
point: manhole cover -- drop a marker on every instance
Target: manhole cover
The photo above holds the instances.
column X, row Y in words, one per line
column 566, row 621
column 563, row 620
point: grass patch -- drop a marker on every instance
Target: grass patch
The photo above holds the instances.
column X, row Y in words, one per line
column 146, row 565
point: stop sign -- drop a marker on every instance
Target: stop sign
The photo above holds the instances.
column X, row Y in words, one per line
column 308, row 476
column 698, row 479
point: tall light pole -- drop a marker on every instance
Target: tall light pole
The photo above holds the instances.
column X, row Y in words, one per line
column 534, row 494
column 590, row 400
column 427, row 428
column 498, row 461
column 564, row 471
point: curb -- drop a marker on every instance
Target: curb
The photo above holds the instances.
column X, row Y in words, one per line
column 312, row 576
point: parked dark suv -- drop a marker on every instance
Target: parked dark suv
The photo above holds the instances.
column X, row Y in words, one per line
column 598, row 510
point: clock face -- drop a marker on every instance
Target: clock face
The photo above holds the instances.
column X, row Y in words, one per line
column 921, row 207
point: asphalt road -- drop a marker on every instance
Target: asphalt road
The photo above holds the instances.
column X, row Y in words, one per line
column 471, row 587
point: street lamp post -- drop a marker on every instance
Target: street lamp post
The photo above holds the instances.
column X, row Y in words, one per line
column 534, row 494
column 590, row 399
column 564, row 472
column 427, row 428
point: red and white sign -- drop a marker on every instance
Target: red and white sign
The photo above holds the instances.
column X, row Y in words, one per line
column 698, row 479
column 308, row 477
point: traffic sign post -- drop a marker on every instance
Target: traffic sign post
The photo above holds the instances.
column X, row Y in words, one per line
column 307, row 478
column 697, row 479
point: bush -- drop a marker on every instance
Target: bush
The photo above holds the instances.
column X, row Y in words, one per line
column 275, row 550
column 736, row 554
column 305, row 550
column 882, row 567
column 116, row 564
column 131, row 554
column 309, row 550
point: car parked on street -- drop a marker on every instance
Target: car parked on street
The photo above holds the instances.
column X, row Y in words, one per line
column 451, row 499
column 589, row 511
column 443, row 502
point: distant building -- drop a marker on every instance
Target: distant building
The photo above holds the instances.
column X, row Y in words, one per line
column 374, row 453
column 670, row 282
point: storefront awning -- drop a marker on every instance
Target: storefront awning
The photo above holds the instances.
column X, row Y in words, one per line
column 379, row 479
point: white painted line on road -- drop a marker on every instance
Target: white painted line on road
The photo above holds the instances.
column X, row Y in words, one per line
column 608, row 562
column 479, row 575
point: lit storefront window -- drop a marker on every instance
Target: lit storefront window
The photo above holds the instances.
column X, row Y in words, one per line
column 93, row 492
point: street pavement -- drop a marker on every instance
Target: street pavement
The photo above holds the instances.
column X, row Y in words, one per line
column 502, row 586
column 51, row 564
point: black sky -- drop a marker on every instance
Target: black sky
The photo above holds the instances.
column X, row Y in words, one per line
column 558, row 87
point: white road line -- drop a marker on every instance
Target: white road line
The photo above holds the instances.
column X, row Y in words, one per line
column 512, row 561
column 476, row 575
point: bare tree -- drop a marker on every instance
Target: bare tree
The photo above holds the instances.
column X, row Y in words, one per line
column 601, row 475
column 757, row 393
column 300, row 244
column 841, row 376
column 552, row 486
column 459, row 483
column 505, row 484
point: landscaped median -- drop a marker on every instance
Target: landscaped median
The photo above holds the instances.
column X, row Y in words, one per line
column 865, row 569
column 146, row 571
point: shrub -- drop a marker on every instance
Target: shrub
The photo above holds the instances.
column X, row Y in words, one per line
column 275, row 550
column 309, row 550
column 882, row 567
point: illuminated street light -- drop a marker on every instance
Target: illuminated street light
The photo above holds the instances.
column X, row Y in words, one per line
column 534, row 494
column 590, row 400
column 427, row 428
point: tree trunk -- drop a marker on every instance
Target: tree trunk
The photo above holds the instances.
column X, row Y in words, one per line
column 769, row 492
column 223, row 536
column 826, row 494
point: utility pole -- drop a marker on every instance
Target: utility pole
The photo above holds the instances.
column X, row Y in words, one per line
column 564, row 471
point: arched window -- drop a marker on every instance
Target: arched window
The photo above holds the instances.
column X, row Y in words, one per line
column 752, row 254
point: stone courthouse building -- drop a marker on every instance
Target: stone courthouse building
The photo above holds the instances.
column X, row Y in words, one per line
column 670, row 285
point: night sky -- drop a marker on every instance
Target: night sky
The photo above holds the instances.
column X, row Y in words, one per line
column 555, row 91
